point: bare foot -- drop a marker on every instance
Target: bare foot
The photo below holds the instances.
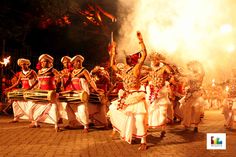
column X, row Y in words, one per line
column 143, row 146
column 68, row 127
column 195, row 129
column 34, row 126
column 60, row 121
column 228, row 128
column 113, row 134
column 57, row 129
column 85, row 130
column 163, row 134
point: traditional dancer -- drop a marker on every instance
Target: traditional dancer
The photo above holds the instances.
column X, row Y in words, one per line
column 80, row 78
column 65, row 74
column 177, row 85
column 98, row 104
column 128, row 115
column 27, row 77
column 157, row 93
column 193, row 102
column 48, row 79
column 229, row 104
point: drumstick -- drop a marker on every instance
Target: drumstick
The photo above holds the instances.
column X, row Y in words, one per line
column 112, row 37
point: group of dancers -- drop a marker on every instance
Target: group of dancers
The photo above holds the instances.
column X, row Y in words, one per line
column 143, row 100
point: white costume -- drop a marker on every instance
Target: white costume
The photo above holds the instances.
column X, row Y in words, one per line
column 157, row 99
column 128, row 114
column 192, row 104
column 229, row 111
column 229, row 104
column 157, row 109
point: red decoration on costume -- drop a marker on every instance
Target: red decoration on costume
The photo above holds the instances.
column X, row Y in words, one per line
column 133, row 59
column 70, row 67
column 119, row 86
column 76, row 84
column 25, row 83
column 47, row 83
column 67, row 87
column 38, row 66
column 153, row 93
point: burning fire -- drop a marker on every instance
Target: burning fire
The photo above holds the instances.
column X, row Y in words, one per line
column 213, row 83
column 5, row 61
column 46, row 21
column 227, row 88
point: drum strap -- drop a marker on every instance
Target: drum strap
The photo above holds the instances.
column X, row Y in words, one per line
column 78, row 72
column 41, row 72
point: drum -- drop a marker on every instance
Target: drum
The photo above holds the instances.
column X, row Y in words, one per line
column 94, row 98
column 112, row 96
column 16, row 95
column 40, row 95
column 73, row 96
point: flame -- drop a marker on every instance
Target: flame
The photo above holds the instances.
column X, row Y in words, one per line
column 67, row 20
column 6, row 61
column 213, row 82
column 227, row 88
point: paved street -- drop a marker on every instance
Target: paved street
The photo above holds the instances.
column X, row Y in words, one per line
column 19, row 140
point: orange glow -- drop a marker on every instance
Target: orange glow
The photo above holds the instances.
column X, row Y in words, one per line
column 5, row 61
column 213, row 83
column 226, row 28
column 227, row 88
column 185, row 30
column 230, row 48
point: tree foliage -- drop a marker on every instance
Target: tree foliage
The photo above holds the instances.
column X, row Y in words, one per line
column 19, row 17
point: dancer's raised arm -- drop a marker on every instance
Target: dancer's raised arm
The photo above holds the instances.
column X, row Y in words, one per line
column 139, row 65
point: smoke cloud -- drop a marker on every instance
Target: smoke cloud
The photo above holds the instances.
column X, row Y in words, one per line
column 183, row 30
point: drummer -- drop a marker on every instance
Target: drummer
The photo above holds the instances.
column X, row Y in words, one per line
column 26, row 78
column 48, row 79
column 65, row 73
column 80, row 78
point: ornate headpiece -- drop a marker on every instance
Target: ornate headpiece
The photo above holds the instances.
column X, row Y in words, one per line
column 65, row 59
column 133, row 58
column 47, row 57
column 77, row 57
column 22, row 61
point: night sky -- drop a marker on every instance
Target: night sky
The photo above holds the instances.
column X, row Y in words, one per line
column 30, row 28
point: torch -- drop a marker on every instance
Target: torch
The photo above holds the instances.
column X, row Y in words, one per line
column 3, row 64
column 5, row 61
